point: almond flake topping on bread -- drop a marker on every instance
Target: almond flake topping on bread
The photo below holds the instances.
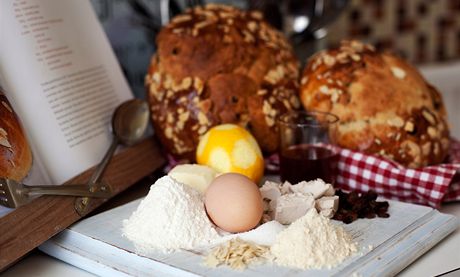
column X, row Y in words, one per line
column 222, row 65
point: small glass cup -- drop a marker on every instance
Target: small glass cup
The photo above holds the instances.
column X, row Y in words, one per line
column 307, row 146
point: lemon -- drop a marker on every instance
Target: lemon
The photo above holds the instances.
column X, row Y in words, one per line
column 231, row 148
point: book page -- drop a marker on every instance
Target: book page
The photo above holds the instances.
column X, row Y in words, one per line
column 63, row 80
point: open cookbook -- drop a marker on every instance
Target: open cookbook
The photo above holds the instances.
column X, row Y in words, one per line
column 62, row 79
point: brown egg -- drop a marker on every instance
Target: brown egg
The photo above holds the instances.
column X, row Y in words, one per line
column 234, row 203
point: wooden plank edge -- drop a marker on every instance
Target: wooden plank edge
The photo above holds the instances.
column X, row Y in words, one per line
column 412, row 242
column 28, row 226
column 87, row 253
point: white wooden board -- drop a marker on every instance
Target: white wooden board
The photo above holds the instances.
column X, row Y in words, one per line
column 96, row 245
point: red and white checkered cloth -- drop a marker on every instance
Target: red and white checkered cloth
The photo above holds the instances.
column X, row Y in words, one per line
column 431, row 185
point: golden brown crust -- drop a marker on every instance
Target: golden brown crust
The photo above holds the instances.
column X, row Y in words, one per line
column 217, row 64
column 15, row 154
column 385, row 106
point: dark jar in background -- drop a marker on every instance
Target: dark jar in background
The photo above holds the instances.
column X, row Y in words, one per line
column 307, row 148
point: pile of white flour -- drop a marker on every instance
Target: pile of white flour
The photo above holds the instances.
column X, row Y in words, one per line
column 312, row 242
column 171, row 217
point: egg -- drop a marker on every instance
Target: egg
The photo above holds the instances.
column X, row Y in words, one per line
column 234, row 203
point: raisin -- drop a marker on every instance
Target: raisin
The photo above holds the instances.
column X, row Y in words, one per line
column 354, row 205
column 350, row 217
column 384, row 215
column 370, row 215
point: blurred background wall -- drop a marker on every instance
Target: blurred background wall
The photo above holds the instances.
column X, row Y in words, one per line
column 420, row 30
column 131, row 40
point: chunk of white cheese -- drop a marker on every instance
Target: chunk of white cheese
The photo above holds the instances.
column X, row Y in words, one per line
column 327, row 205
column 330, row 191
column 316, row 187
column 193, row 175
column 291, row 207
column 286, row 187
column 270, row 192
column 328, row 202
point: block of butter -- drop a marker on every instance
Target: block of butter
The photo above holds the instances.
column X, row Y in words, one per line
column 193, row 175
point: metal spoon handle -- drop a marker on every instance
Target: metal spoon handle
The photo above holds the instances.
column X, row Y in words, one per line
column 74, row 190
column 98, row 173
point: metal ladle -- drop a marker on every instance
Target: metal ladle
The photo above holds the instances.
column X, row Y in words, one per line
column 129, row 122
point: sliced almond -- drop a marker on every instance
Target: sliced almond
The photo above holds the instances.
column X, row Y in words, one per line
column 178, row 30
column 270, row 122
column 266, row 107
column 304, row 80
column 429, row 117
column 7, row 106
column 262, row 92
column 168, row 82
column 409, row 127
column 156, row 77
column 335, row 97
column 329, row 60
column 198, row 85
column 357, row 46
column 287, row 104
column 432, row 132
column 226, row 15
column 181, row 18
column 252, row 26
column 295, row 101
column 257, row 15
column 170, row 118
column 186, row 83
column 202, row 130
column 413, row 148
column 396, row 121
column 324, row 89
column 184, row 116
column 355, row 57
column 168, row 132
column 195, row 32
column 4, row 142
column 202, row 118
column 398, row 72
column 203, row 24
column 248, row 37
column 3, row 133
